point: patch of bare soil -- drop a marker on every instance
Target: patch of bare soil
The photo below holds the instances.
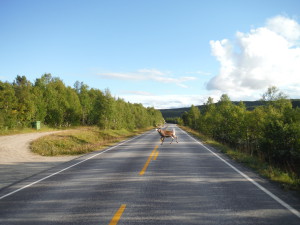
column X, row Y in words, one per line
column 18, row 162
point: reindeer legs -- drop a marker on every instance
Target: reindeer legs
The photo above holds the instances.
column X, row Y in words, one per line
column 162, row 140
column 172, row 140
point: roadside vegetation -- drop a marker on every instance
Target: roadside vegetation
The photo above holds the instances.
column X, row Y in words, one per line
column 80, row 141
column 287, row 180
column 91, row 118
column 266, row 138
column 56, row 105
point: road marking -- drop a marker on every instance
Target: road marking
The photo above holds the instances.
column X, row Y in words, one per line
column 156, row 154
column 148, row 161
column 277, row 199
column 117, row 216
column 51, row 175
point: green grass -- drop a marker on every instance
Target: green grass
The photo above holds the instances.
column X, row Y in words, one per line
column 79, row 141
column 287, row 180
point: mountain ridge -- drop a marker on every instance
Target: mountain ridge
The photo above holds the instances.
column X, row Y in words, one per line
column 250, row 105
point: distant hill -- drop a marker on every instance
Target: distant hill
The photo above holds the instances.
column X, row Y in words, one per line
column 250, row 105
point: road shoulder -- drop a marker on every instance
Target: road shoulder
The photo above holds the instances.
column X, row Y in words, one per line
column 17, row 162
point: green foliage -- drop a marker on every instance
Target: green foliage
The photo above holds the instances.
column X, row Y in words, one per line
column 250, row 105
column 193, row 117
column 8, row 103
column 53, row 103
column 270, row 132
column 176, row 120
column 25, row 107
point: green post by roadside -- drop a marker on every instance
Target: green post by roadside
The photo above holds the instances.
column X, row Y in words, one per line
column 36, row 125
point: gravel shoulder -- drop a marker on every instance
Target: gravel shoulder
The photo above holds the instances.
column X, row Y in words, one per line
column 18, row 162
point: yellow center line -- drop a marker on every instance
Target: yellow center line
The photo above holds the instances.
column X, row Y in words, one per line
column 148, row 161
column 117, row 216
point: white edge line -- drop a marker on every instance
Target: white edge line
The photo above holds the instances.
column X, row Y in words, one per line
column 281, row 202
column 51, row 175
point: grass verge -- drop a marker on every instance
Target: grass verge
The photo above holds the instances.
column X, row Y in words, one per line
column 285, row 179
column 79, row 141
column 26, row 130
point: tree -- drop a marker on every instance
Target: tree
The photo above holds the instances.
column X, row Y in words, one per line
column 292, row 118
column 185, row 118
column 273, row 94
column 94, row 116
column 73, row 110
column 8, row 106
column 25, row 106
column 254, row 122
column 53, row 103
column 82, row 91
column 193, row 117
column 223, row 118
column 207, row 122
column 40, row 102
column 107, row 112
column 270, row 131
column 140, row 116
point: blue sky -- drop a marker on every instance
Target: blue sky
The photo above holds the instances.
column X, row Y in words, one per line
column 161, row 53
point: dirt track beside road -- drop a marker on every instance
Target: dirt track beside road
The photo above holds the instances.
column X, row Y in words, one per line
column 18, row 162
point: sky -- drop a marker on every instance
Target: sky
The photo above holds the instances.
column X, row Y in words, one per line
column 161, row 53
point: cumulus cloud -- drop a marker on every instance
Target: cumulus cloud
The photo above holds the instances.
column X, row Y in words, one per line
column 150, row 74
column 285, row 27
column 265, row 56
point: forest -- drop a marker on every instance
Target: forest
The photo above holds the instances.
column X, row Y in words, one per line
column 54, row 104
column 170, row 115
column 271, row 131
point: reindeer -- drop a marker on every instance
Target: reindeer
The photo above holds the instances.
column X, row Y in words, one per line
column 166, row 133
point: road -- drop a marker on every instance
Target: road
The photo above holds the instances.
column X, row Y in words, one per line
column 141, row 182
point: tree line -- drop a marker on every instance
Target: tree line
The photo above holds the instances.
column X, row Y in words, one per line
column 53, row 103
column 270, row 132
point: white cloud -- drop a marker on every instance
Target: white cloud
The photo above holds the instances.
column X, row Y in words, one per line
column 199, row 72
column 144, row 93
column 265, row 56
column 285, row 27
column 123, row 76
column 150, row 74
column 203, row 73
column 166, row 101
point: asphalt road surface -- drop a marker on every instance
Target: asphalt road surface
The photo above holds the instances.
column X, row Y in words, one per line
column 141, row 182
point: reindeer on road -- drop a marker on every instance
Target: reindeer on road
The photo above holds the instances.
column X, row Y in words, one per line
column 166, row 133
